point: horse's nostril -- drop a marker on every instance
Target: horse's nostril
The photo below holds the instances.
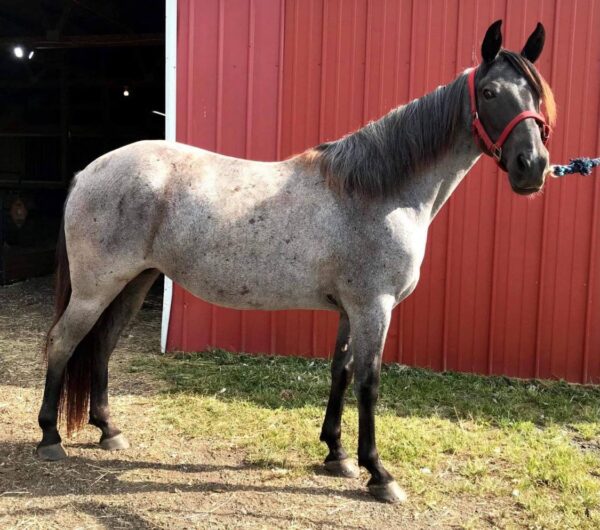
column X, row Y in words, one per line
column 524, row 162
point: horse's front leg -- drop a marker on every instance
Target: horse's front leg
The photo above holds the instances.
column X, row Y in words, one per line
column 369, row 328
column 342, row 368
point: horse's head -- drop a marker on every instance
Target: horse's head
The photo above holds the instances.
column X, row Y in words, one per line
column 509, row 92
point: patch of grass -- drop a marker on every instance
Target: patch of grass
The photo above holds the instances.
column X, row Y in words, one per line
column 531, row 447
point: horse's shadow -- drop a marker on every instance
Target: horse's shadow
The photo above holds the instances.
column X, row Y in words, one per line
column 83, row 476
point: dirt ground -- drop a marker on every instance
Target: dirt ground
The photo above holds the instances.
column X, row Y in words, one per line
column 164, row 480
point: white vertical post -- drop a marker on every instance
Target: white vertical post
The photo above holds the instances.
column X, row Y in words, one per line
column 170, row 133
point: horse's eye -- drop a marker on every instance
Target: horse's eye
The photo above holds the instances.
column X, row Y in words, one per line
column 488, row 94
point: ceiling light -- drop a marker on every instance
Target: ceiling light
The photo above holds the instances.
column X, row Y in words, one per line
column 18, row 51
column 126, row 92
column 30, row 56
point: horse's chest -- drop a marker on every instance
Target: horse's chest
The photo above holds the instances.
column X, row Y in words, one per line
column 400, row 259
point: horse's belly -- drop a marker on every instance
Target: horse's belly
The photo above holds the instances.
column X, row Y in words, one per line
column 243, row 291
column 269, row 275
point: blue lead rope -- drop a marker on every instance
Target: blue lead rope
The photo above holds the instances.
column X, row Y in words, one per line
column 577, row 165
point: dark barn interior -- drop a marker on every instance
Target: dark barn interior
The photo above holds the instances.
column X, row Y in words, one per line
column 78, row 78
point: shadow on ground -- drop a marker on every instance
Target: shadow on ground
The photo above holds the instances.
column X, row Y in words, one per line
column 80, row 475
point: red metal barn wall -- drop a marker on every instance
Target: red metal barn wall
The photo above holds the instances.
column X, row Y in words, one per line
column 509, row 285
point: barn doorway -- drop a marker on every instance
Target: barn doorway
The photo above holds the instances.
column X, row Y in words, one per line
column 78, row 78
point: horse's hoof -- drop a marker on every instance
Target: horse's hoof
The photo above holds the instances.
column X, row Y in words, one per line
column 342, row 468
column 389, row 492
column 51, row 452
column 116, row 443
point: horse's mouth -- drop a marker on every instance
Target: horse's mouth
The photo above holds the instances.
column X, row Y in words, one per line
column 526, row 190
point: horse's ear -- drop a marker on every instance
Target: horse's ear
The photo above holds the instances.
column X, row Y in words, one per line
column 492, row 42
column 535, row 43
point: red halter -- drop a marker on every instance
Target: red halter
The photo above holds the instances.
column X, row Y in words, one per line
column 494, row 149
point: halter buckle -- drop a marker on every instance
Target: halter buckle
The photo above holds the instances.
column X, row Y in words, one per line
column 496, row 152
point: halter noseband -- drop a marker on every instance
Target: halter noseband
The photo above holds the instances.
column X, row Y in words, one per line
column 494, row 149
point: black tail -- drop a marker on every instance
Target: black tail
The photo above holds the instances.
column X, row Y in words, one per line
column 76, row 386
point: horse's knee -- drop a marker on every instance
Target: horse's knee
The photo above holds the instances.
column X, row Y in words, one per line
column 367, row 391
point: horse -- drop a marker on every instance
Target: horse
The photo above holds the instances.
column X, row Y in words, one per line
column 342, row 227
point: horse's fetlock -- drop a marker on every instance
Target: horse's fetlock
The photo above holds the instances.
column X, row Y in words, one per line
column 97, row 421
column 331, row 435
column 368, row 458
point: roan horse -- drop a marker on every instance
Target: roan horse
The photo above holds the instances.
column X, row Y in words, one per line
column 342, row 226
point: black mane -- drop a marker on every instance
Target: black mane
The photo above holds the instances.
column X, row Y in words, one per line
column 378, row 158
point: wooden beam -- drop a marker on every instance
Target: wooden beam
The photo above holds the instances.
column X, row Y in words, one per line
column 87, row 41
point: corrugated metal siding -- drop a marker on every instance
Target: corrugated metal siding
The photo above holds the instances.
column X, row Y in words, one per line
column 509, row 285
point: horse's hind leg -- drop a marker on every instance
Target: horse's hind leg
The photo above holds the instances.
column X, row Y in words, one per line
column 342, row 367
column 75, row 323
column 122, row 310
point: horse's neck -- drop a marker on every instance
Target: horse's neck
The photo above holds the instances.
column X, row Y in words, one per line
column 429, row 191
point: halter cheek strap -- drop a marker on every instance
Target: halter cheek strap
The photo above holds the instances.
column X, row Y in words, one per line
column 494, row 149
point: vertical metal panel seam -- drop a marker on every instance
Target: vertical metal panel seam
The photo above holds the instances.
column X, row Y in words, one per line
column 582, row 127
column 593, row 231
column 541, row 276
column 461, row 259
column 429, row 353
column 591, row 276
column 562, row 188
column 476, row 280
column 314, row 313
column 426, row 90
column 411, row 69
column 294, row 67
column 491, row 329
column 307, row 51
column 220, row 67
column 190, row 65
column 507, row 283
column 338, row 32
column 396, row 55
column 323, row 71
column 519, row 373
column 353, row 60
column 449, row 238
column 575, row 184
column 399, row 311
column 585, row 378
column 219, row 131
column 367, row 62
column 249, row 118
column 278, row 146
column 381, row 70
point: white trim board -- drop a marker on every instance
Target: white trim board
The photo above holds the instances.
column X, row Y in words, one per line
column 170, row 134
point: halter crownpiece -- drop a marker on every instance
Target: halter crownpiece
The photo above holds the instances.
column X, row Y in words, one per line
column 494, row 149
